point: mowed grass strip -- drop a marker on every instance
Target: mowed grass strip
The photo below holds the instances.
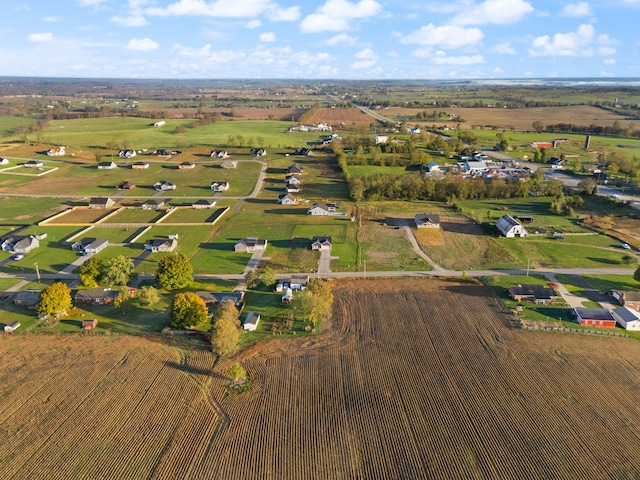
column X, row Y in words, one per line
column 193, row 215
column 27, row 210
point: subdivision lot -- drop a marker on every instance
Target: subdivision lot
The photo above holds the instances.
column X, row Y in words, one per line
column 135, row 215
column 81, row 216
column 410, row 379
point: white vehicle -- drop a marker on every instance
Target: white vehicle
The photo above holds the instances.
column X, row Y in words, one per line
column 18, row 256
column 626, row 246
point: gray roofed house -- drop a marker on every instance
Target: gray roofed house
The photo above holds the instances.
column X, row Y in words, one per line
column 27, row 298
column 627, row 318
column 534, row 293
column 101, row 202
column 96, row 296
column 161, row 245
column 88, row 245
column 219, row 186
column 319, row 209
column 20, row 243
column 204, row 203
column 287, row 199
column 510, row 227
column 218, row 298
column 107, row 165
column 152, row 204
column 427, row 220
column 251, row 321
column 321, row 243
column 250, row 244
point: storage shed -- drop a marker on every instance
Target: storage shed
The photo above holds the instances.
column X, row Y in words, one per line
column 251, row 322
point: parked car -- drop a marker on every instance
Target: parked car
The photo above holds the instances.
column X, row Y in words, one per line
column 18, row 256
column 626, row 246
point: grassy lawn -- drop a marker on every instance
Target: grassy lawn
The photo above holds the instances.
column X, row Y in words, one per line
column 25, row 211
column 115, row 235
column 135, row 215
column 606, row 283
column 192, row 215
column 7, row 283
column 366, row 170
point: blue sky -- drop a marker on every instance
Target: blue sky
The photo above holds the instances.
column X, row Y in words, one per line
column 337, row 39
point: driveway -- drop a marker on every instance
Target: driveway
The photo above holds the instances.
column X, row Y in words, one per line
column 324, row 264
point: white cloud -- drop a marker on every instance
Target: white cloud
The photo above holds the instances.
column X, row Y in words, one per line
column 267, row 37
column 202, row 52
column 251, row 24
column 580, row 9
column 504, row 48
column 609, row 61
column 277, row 14
column 445, row 36
column 497, row 12
column 40, row 37
column 52, row 19
column 334, row 15
column 365, row 58
column 581, row 43
column 132, row 21
column 142, row 45
column 498, row 70
column 217, row 8
column 341, row 38
column 90, row 3
column 441, row 58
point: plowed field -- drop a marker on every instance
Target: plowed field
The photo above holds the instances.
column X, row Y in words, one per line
column 412, row 379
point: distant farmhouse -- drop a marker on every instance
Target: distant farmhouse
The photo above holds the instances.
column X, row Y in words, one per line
column 101, row 202
column 427, row 220
column 533, row 293
column 56, row 152
column 219, row 186
column 127, row 153
column 250, row 244
column 510, row 227
column 160, row 245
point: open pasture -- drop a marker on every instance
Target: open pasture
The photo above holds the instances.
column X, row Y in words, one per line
column 27, row 210
column 81, row 216
column 192, row 215
column 135, row 215
column 490, row 402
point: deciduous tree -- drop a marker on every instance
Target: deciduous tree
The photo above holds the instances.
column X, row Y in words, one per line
column 117, row 271
column 147, row 296
column 54, row 299
column 226, row 329
column 636, row 275
column 90, row 272
column 268, row 276
column 174, row 272
column 188, row 310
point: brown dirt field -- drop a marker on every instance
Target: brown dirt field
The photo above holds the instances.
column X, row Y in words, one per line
column 522, row 119
column 428, row 236
column 628, row 230
column 411, row 379
column 81, row 215
column 240, row 113
column 333, row 116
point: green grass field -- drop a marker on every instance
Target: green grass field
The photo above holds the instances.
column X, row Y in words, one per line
column 135, row 215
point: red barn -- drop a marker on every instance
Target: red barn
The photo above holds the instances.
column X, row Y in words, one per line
column 89, row 324
column 594, row 317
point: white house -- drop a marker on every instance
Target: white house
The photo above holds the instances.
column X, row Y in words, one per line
column 4, row 161
column 627, row 318
column 56, row 152
column 219, row 186
column 380, row 139
column 474, row 167
column 107, row 165
column 160, row 123
column 510, row 227
column 251, row 322
column 127, row 153
column 320, row 209
column 287, row 199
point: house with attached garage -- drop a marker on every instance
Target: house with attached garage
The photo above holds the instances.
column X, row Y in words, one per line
column 533, row 293
column 258, row 152
column 127, row 153
column 628, row 298
column 20, row 243
column 287, row 199
column 152, row 204
column 292, row 179
column 186, row 166
column 292, row 187
column 89, row 246
column 627, row 318
column 213, row 299
column 101, row 202
column 219, row 154
column 250, row 245
column 107, row 165
column 510, row 227
column 594, row 317
column 322, row 209
column 33, row 164
column 427, row 220
column 161, row 245
column 219, row 186
column 321, row 243
column 27, row 298
column 229, row 164
column 98, row 296
column 203, row 203
column 56, row 152
column 295, row 169
column 140, row 165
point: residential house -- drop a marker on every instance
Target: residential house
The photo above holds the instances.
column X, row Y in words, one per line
column 380, row 139
column 20, row 243
column 164, row 186
column 305, row 152
column 220, row 298
column 33, row 164
column 229, row 164
column 126, row 186
column 203, row 203
column 160, row 245
column 628, row 298
column 594, row 317
column 12, row 326
column 153, row 204
column 427, row 220
column 187, row 165
column 4, row 161
column 27, row 298
column 107, row 165
column 250, row 244
column 321, row 209
column 292, row 187
column 89, row 246
column 287, row 199
column 127, row 153
column 295, row 169
column 160, row 123
column 251, row 321
column 299, row 281
column 627, row 318
column 533, row 293
column 101, row 202
column 89, row 324
column 432, row 167
column 258, row 152
column 219, row 153
column 510, row 227
column 56, row 152
column 140, row 165
column 287, row 296
column 219, row 186
column 557, row 163
column 293, row 179
column 97, row 296
column 321, row 243
column 474, row 167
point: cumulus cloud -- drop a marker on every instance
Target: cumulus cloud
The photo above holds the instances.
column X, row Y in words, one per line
column 40, row 37
column 445, row 36
column 251, row 24
column 90, row 3
column 335, row 15
column 267, row 37
column 225, row 9
column 504, row 48
column 498, row 12
column 441, row 58
column 609, row 61
column 202, row 52
column 365, row 58
column 581, row 43
column 52, row 19
column 580, row 9
column 341, row 39
column 132, row 21
column 142, row 45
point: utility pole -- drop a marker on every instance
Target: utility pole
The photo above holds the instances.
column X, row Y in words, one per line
column 528, row 262
column 37, row 271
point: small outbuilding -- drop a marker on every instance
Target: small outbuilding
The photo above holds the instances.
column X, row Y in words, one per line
column 510, row 227
column 251, row 321
column 12, row 326
column 627, row 318
column 594, row 317
column 89, row 324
